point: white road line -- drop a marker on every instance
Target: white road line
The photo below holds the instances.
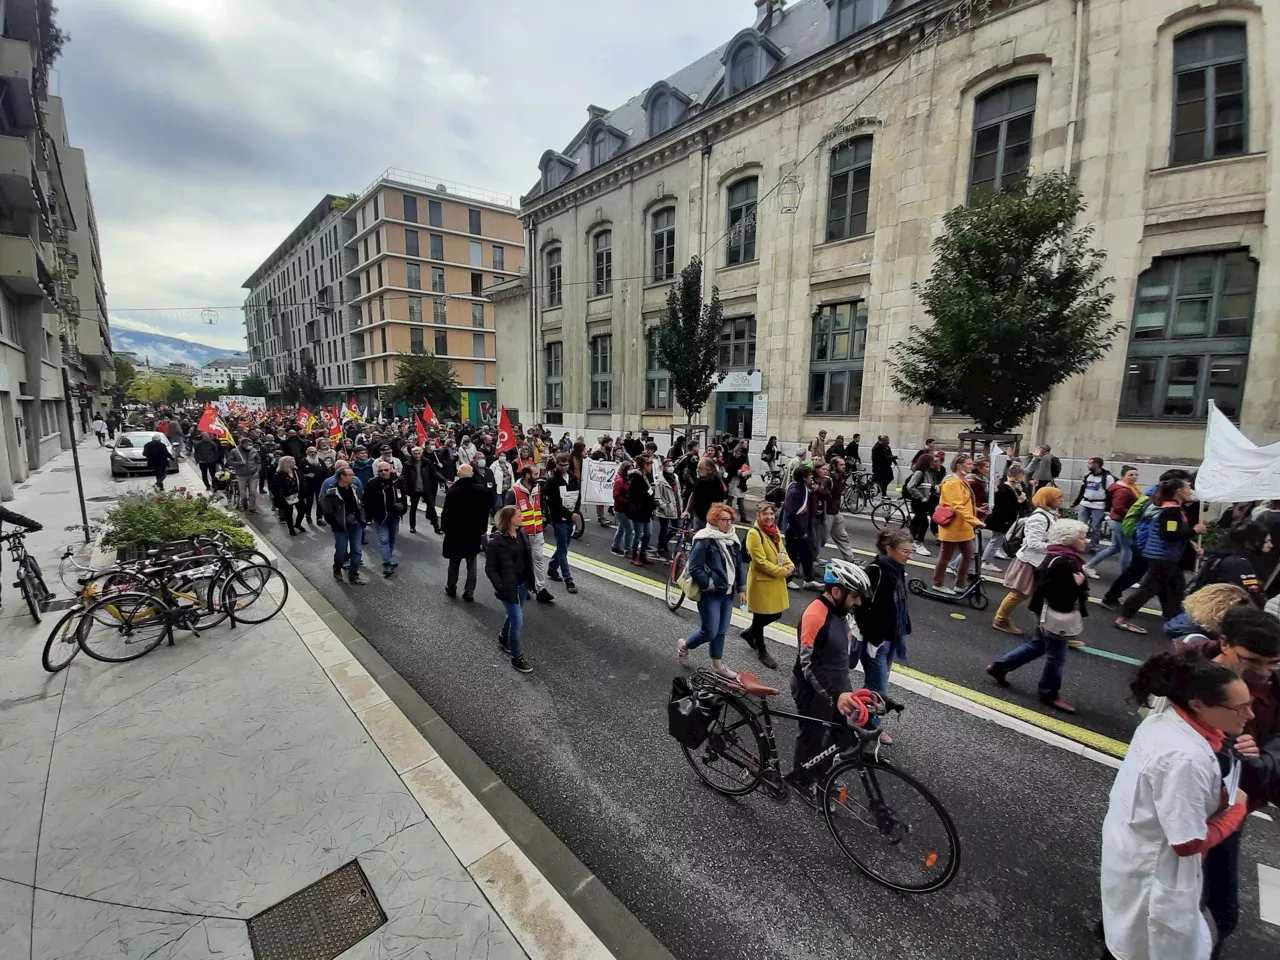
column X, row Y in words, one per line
column 1269, row 893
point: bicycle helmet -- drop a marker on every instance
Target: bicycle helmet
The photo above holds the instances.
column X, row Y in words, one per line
column 850, row 576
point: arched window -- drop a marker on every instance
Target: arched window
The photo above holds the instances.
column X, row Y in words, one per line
column 1003, row 120
column 659, row 114
column 602, row 249
column 742, row 69
column 664, row 244
column 850, row 189
column 740, row 243
column 599, row 148
column 554, row 288
column 1210, row 116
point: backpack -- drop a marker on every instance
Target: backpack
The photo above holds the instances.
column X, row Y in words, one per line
column 1016, row 536
column 1055, row 467
column 1133, row 516
column 1205, row 575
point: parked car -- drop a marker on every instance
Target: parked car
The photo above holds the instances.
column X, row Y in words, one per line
column 127, row 457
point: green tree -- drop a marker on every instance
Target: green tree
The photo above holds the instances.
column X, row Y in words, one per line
column 689, row 340
column 232, row 386
column 125, row 375
column 421, row 375
column 179, row 390
column 207, row 394
column 253, row 386
column 1017, row 303
column 309, row 388
column 291, row 386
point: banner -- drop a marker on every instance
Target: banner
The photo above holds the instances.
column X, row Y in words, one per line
column 241, row 402
column 1235, row 469
column 597, row 481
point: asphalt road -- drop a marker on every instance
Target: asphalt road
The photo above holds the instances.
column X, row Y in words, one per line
column 583, row 742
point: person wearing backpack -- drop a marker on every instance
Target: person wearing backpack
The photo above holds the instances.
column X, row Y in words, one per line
column 920, row 490
column 1043, row 467
column 1010, row 500
column 1232, row 562
column 1091, row 501
column 1162, row 539
column 1030, row 537
column 1133, row 519
column 1121, row 495
column 882, row 618
column 624, row 535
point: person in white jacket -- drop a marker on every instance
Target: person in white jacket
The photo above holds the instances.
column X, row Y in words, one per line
column 1172, row 801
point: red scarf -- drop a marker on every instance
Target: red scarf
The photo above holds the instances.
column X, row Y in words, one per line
column 1212, row 734
column 770, row 531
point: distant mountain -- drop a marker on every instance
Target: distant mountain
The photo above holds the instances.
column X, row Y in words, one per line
column 161, row 349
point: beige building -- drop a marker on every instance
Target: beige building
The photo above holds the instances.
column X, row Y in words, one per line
column 52, row 302
column 813, row 156
column 407, row 263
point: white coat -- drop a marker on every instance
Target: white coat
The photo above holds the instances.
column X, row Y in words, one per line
column 1167, row 790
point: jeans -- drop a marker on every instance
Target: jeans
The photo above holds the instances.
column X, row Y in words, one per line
column 515, row 619
column 875, row 671
column 799, row 551
column 346, row 547
column 1120, row 544
column 1093, row 516
column 1222, row 884
column 1041, row 644
column 666, row 530
column 247, row 495
column 387, row 532
column 624, row 536
column 1163, row 577
column 714, row 613
column 642, row 530
column 469, row 588
column 560, row 559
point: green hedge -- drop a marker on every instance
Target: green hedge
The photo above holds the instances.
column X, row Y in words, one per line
column 148, row 519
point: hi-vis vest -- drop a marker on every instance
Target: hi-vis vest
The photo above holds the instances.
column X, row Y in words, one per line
column 529, row 508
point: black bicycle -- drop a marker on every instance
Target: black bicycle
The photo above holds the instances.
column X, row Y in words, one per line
column 30, row 582
column 673, row 592
column 860, row 492
column 883, row 819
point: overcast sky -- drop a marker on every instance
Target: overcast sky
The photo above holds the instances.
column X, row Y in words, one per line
column 211, row 127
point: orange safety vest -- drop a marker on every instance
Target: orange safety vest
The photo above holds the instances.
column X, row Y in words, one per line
column 529, row 507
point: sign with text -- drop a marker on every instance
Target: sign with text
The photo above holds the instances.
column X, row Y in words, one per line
column 597, row 481
column 760, row 416
column 226, row 401
column 739, row 381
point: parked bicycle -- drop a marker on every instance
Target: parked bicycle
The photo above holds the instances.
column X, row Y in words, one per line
column 680, row 547
column 860, row 493
column 30, row 579
column 891, row 514
column 883, row 819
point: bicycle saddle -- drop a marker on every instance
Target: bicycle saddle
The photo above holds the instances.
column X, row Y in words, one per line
column 751, row 686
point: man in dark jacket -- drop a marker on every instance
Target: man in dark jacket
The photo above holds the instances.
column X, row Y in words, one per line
column 421, row 477
column 384, row 502
column 158, row 456
column 1250, row 646
column 508, row 562
column 466, row 517
column 294, row 446
column 342, row 510
column 208, row 454
column 882, row 463
column 561, row 499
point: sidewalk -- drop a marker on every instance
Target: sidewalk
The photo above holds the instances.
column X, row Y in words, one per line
column 152, row 808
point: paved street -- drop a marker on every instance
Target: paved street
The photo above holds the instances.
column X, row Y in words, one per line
column 583, row 742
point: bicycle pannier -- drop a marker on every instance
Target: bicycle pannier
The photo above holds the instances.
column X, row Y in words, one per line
column 691, row 711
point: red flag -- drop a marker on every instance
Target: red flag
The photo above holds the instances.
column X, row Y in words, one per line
column 335, row 429
column 304, row 417
column 506, row 436
column 422, row 430
column 210, row 422
column 428, row 415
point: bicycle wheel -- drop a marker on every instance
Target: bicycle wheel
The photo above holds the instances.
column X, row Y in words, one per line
column 204, row 593
column 254, row 594
column 889, row 515
column 61, row 647
column 579, row 527
column 42, row 587
column 673, row 592
column 253, row 557
column 891, row 827
column 732, row 757
column 31, row 593
column 123, row 626
column 849, row 500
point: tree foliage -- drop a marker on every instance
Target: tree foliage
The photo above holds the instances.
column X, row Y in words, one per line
column 232, row 386
column 689, row 340
column 179, row 390
column 155, row 389
column 253, row 386
column 125, row 375
column 1017, row 303
column 309, row 387
column 208, row 394
column 421, row 375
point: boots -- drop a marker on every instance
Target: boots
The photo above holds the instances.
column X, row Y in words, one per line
column 1001, row 621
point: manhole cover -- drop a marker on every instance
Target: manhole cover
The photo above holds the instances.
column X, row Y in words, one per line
column 320, row 922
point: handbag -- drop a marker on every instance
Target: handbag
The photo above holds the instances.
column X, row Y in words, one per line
column 1060, row 624
column 942, row 515
column 690, row 587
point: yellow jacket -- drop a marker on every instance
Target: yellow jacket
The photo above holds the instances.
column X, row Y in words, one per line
column 955, row 493
column 766, row 577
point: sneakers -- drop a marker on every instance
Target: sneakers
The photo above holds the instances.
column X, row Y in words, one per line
column 388, row 570
column 808, row 790
column 555, row 577
column 520, row 664
column 1091, row 573
column 682, row 652
column 616, row 552
column 921, row 550
column 991, row 568
column 569, row 585
column 813, row 585
column 1001, row 555
column 949, row 591
column 545, row 596
column 792, row 585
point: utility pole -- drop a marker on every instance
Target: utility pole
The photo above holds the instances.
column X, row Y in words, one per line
column 75, row 451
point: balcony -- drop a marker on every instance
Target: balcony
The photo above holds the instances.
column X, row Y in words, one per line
column 21, row 266
column 18, row 73
column 22, row 20
column 16, row 173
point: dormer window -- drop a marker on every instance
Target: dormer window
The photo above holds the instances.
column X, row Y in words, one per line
column 742, row 68
column 599, row 148
column 555, row 169
column 747, row 60
column 664, row 107
column 853, row 16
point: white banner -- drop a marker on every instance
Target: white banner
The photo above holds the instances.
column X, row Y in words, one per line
column 1235, row 469
column 597, row 481
column 242, row 402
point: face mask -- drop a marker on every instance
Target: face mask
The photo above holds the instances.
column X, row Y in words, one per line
column 480, row 462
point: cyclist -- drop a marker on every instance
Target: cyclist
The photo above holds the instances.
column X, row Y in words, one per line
column 820, row 681
column 18, row 520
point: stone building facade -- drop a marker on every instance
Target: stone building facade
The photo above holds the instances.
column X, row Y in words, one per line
column 813, row 157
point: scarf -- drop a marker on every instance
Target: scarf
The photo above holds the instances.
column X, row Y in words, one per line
column 728, row 544
column 770, row 531
column 1211, row 734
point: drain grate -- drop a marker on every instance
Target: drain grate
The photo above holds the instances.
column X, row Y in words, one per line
column 320, row 922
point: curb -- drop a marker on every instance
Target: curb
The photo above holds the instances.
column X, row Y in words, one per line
column 552, row 904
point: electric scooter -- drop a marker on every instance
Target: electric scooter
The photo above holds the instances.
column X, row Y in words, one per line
column 973, row 594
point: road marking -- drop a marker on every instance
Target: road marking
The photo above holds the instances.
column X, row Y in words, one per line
column 1067, row 736
column 1269, row 893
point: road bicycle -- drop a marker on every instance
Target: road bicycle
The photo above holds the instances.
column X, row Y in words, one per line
column 30, row 582
column 891, row 514
column 673, row 593
column 860, row 492
column 888, row 823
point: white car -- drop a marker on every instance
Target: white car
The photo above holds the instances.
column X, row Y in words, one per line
column 127, row 456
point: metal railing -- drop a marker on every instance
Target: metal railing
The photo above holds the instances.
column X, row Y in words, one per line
column 438, row 184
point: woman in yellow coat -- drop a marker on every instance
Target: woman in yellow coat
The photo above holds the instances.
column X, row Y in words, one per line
column 957, row 535
column 766, row 580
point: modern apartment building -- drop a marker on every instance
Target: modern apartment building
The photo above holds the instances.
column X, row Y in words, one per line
column 812, row 158
column 52, row 303
column 221, row 373
column 401, row 267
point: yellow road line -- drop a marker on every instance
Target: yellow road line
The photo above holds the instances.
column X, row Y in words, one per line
column 1070, row 731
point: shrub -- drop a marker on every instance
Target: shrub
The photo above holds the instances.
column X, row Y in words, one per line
column 144, row 518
